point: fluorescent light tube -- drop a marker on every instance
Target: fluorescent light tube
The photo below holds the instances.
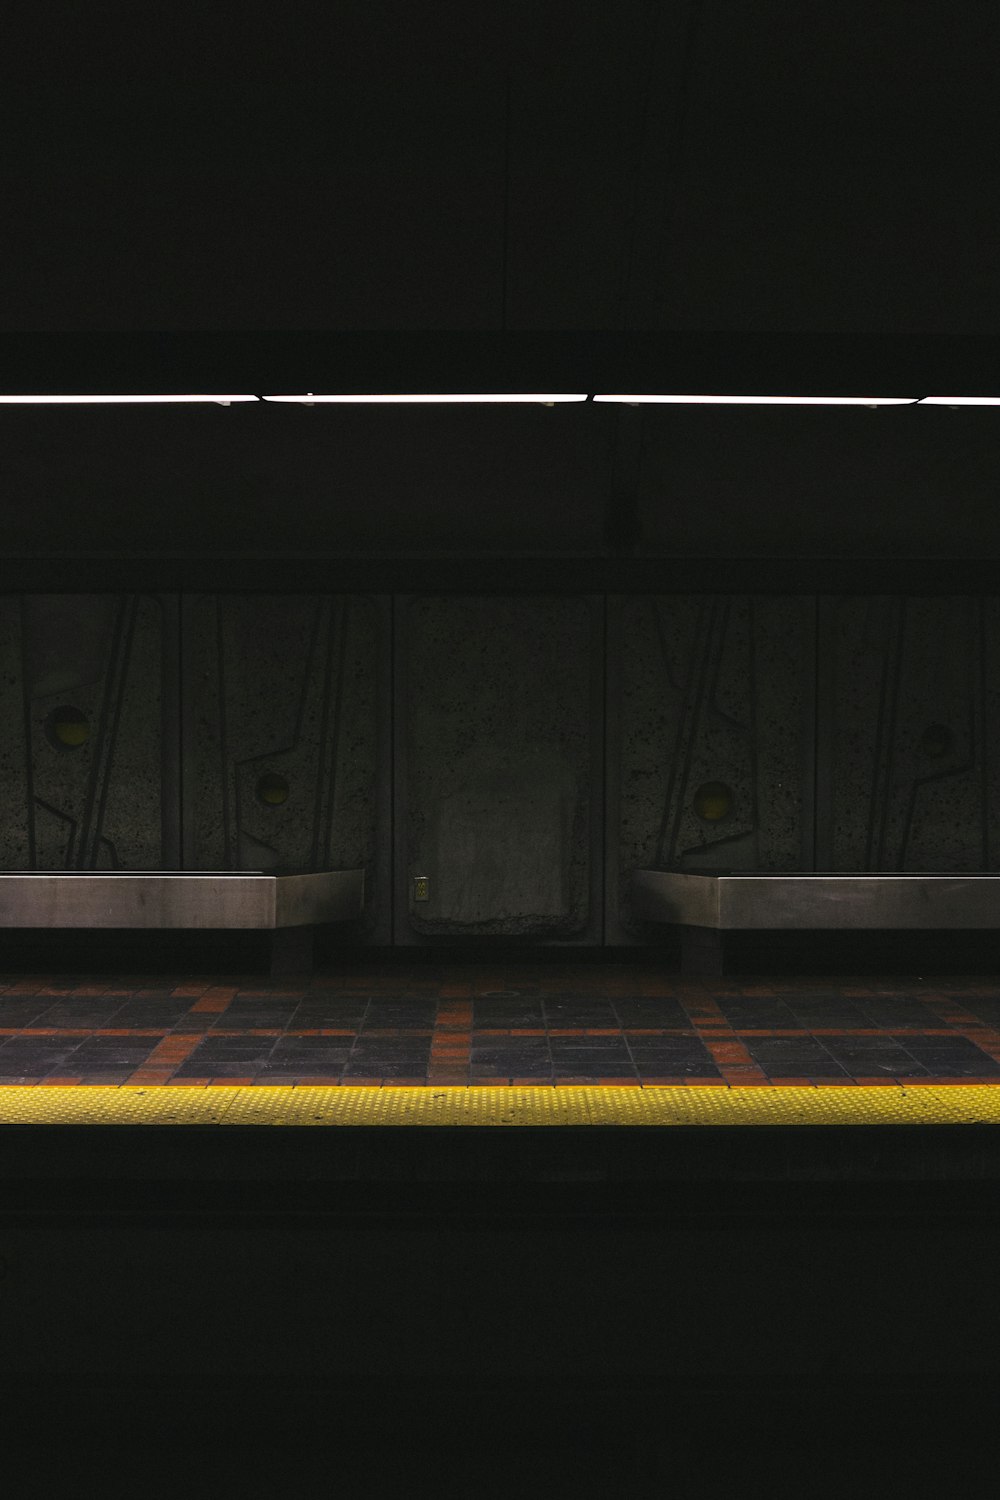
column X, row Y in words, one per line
column 310, row 400
column 766, row 400
column 114, row 400
column 960, row 401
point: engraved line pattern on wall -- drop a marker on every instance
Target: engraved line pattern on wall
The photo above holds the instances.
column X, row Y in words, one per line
column 92, row 797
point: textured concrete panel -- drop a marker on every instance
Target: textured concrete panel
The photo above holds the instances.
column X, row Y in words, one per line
column 281, row 688
column 95, row 803
column 14, row 767
column 498, row 747
column 710, row 691
column 915, row 708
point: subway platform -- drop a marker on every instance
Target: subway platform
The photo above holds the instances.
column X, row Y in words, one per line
column 537, row 1225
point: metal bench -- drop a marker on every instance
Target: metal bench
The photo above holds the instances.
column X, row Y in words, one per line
column 290, row 907
column 707, row 906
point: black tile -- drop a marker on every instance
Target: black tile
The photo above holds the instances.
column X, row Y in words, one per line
column 682, row 1046
column 584, row 1042
column 304, row 1069
column 811, row 1068
column 597, row 1004
column 306, row 1016
column 144, row 1017
column 846, row 1018
column 880, row 1064
column 483, row 1074
column 668, row 1018
column 593, row 1070
column 387, row 1045
column 496, row 1016
column 786, row 1046
column 955, row 1047
column 19, row 1012
column 650, row 1067
column 519, row 1046
column 218, row 1067
column 864, row 1044
column 889, row 1017
column 388, row 1070
column 98, row 1056
column 755, row 1012
column 953, row 1068
column 15, row 1048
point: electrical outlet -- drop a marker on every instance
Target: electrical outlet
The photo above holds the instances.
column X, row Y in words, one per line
column 421, row 888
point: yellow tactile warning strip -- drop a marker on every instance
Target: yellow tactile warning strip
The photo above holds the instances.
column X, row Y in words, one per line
column 963, row 1104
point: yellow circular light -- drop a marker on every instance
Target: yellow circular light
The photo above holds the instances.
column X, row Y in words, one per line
column 67, row 728
column 272, row 789
column 713, row 801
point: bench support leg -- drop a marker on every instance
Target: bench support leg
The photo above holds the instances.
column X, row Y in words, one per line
column 702, row 950
column 292, row 951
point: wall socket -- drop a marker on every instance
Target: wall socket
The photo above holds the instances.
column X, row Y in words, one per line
column 421, row 888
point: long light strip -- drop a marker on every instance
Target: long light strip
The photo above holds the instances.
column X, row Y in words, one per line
column 114, row 400
column 310, row 400
column 765, row 400
column 960, row 401
column 525, row 399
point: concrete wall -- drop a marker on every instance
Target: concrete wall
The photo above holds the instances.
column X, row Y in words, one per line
column 910, row 712
column 82, row 732
column 710, row 725
column 499, row 767
column 280, row 734
column 520, row 753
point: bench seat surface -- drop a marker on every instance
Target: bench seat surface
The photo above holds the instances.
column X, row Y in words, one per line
column 791, row 900
column 178, row 899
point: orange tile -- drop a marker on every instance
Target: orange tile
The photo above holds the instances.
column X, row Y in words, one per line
column 213, row 1003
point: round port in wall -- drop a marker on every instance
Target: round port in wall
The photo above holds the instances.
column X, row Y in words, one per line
column 272, row 789
column 67, row 728
column 713, row 801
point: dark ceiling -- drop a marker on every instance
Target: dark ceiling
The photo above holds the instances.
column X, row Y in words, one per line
column 758, row 165
column 731, row 164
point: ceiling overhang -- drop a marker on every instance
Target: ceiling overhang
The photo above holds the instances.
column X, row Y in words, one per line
column 357, row 362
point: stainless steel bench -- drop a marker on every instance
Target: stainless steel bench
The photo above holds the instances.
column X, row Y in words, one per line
column 706, row 906
column 290, row 907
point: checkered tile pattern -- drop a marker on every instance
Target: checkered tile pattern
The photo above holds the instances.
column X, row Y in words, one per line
column 549, row 1023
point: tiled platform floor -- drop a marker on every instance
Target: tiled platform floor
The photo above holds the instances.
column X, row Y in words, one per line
column 543, row 1024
